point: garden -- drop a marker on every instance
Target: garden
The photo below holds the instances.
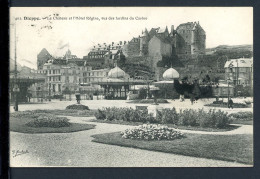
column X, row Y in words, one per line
column 48, row 121
column 161, row 133
column 212, row 120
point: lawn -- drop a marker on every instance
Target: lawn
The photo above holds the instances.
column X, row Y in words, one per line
column 20, row 124
column 234, row 148
column 194, row 128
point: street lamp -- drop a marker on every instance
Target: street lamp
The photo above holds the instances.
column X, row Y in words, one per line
column 16, row 89
column 228, row 80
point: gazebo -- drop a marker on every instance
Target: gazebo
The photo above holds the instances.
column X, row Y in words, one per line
column 117, row 84
column 168, row 79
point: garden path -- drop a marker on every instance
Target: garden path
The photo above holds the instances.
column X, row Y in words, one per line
column 95, row 104
column 242, row 129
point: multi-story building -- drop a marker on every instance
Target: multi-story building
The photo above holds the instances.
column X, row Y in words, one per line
column 94, row 76
column 240, row 71
column 98, row 54
column 62, row 75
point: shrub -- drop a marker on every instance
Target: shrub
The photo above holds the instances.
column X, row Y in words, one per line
column 152, row 132
column 187, row 117
column 49, row 120
column 213, row 119
column 244, row 116
column 167, row 116
column 100, row 114
column 77, row 107
column 124, row 114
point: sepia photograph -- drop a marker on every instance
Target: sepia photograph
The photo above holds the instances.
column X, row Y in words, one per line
column 131, row 87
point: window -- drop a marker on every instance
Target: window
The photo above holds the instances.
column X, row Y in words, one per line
column 59, row 86
column 53, row 87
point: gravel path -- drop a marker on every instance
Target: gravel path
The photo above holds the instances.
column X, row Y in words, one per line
column 77, row 150
column 95, row 104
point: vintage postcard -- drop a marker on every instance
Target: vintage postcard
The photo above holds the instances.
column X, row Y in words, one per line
column 131, row 87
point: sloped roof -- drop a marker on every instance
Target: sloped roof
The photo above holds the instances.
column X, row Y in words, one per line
column 44, row 52
column 241, row 62
column 162, row 30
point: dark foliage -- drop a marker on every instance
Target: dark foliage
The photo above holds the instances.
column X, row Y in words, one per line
column 77, row 107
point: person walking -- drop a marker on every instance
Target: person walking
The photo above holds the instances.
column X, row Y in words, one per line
column 230, row 103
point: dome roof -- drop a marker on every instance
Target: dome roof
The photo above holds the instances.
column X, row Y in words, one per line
column 116, row 73
column 170, row 74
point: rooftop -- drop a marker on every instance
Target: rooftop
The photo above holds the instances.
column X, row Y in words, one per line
column 241, row 62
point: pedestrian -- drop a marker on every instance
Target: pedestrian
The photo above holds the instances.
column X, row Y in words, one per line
column 230, row 103
column 191, row 100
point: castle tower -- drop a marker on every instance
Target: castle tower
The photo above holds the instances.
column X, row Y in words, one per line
column 42, row 58
column 144, row 39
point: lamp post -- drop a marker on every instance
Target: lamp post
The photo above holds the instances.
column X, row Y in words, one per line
column 16, row 89
column 228, row 80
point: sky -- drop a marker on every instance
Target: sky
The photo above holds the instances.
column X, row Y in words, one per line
column 74, row 28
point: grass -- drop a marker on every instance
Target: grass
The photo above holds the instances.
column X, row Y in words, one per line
column 234, row 148
column 194, row 128
column 20, row 124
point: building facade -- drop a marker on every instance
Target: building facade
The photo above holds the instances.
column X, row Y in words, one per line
column 63, row 77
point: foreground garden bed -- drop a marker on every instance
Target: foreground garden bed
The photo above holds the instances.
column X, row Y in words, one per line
column 193, row 128
column 190, row 118
column 31, row 122
column 234, row 148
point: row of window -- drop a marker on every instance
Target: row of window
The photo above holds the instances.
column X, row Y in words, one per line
column 101, row 74
column 96, row 56
column 54, row 87
column 55, row 78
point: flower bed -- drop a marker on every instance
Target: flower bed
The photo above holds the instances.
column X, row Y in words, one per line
column 77, row 107
column 187, row 117
column 152, row 132
column 49, row 120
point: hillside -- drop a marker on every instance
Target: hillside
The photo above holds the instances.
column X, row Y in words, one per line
column 232, row 51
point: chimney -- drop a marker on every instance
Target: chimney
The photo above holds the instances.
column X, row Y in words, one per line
column 124, row 42
column 172, row 29
column 112, row 43
column 120, row 42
